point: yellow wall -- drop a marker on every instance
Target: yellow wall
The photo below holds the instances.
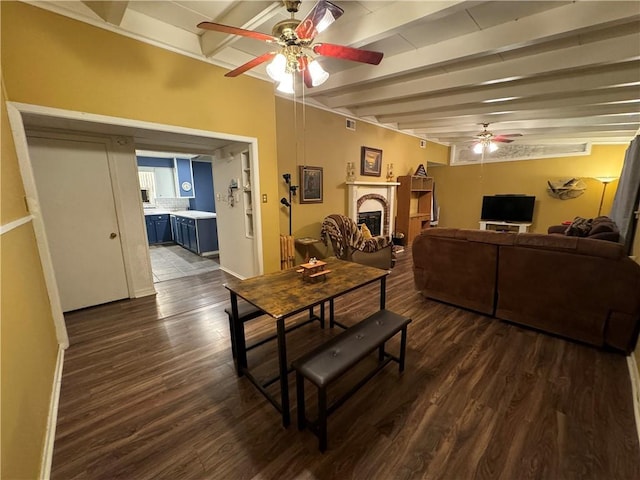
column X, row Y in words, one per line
column 315, row 137
column 28, row 339
column 58, row 62
column 460, row 189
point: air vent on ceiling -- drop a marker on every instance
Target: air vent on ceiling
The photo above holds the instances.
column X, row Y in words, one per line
column 351, row 124
column 423, row 144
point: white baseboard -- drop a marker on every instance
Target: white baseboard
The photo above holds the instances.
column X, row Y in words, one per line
column 144, row 292
column 231, row 272
column 635, row 388
column 50, row 436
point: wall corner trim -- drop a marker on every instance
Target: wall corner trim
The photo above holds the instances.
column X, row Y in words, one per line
column 634, row 374
column 50, row 436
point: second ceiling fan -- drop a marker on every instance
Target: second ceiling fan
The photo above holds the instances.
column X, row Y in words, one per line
column 486, row 140
column 295, row 39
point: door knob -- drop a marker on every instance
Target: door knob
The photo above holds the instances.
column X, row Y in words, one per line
column 113, row 235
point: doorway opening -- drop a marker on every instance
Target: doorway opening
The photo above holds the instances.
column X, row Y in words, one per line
column 180, row 222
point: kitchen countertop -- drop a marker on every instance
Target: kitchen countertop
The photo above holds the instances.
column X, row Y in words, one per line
column 194, row 214
column 156, row 211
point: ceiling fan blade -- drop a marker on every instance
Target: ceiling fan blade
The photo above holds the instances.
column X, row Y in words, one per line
column 502, row 138
column 251, row 64
column 348, row 53
column 322, row 15
column 218, row 27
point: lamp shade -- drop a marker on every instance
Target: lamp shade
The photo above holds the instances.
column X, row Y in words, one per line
column 286, row 83
column 277, row 68
column 318, row 74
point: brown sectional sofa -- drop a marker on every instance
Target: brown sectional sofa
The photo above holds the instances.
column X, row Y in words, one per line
column 583, row 289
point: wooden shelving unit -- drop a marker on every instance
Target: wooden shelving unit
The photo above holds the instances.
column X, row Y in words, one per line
column 415, row 195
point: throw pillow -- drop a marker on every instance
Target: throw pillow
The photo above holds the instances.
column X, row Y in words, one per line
column 580, row 227
column 366, row 233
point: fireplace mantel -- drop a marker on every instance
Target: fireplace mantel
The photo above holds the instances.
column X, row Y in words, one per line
column 381, row 190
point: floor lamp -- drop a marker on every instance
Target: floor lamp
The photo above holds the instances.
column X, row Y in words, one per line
column 605, row 181
column 292, row 191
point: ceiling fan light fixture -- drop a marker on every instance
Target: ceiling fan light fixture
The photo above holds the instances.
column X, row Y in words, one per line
column 318, row 74
column 492, row 147
column 286, row 84
column 477, row 148
column 277, row 68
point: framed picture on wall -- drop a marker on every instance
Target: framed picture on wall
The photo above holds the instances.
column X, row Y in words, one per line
column 370, row 161
column 310, row 184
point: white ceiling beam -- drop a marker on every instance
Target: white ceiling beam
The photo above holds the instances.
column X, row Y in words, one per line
column 550, row 25
column 110, row 11
column 516, row 126
column 389, row 20
column 497, row 117
column 247, row 15
column 560, row 103
column 619, row 74
column 161, row 32
column 615, row 50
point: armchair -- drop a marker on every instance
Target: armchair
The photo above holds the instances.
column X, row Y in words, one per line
column 349, row 244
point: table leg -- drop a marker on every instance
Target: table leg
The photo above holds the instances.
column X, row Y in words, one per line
column 331, row 316
column 238, row 334
column 383, row 292
column 284, row 372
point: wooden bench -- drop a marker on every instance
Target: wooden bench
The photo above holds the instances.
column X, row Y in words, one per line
column 335, row 357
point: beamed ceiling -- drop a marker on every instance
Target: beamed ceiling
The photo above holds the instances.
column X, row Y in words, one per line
column 552, row 71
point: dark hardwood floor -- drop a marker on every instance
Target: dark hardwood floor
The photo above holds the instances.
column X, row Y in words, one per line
column 149, row 392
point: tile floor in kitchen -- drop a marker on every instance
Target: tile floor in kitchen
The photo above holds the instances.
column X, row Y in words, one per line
column 172, row 261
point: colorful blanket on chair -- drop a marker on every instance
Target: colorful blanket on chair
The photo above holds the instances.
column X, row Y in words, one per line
column 344, row 232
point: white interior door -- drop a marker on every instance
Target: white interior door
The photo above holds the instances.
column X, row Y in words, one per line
column 76, row 199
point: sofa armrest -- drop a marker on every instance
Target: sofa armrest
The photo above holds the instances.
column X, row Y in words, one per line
column 382, row 258
column 557, row 229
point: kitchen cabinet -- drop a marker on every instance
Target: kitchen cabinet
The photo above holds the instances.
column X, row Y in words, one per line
column 158, row 228
column 184, row 178
column 196, row 232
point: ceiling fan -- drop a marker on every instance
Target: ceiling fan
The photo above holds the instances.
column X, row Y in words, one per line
column 295, row 39
column 487, row 140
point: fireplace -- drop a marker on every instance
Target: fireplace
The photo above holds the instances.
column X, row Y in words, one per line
column 373, row 221
column 375, row 199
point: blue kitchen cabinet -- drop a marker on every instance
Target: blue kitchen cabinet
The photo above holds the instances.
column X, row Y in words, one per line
column 198, row 235
column 184, row 178
column 158, row 229
column 151, row 230
column 208, row 235
column 203, row 200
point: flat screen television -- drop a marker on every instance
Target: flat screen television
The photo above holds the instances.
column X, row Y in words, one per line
column 508, row 208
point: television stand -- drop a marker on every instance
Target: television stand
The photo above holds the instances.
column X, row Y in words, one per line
column 512, row 227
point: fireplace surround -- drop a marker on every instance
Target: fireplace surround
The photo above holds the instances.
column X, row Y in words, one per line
column 369, row 197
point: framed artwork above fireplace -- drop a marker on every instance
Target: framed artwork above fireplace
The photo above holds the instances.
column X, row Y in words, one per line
column 370, row 161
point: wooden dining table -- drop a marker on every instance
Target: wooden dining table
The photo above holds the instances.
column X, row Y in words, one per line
column 283, row 294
